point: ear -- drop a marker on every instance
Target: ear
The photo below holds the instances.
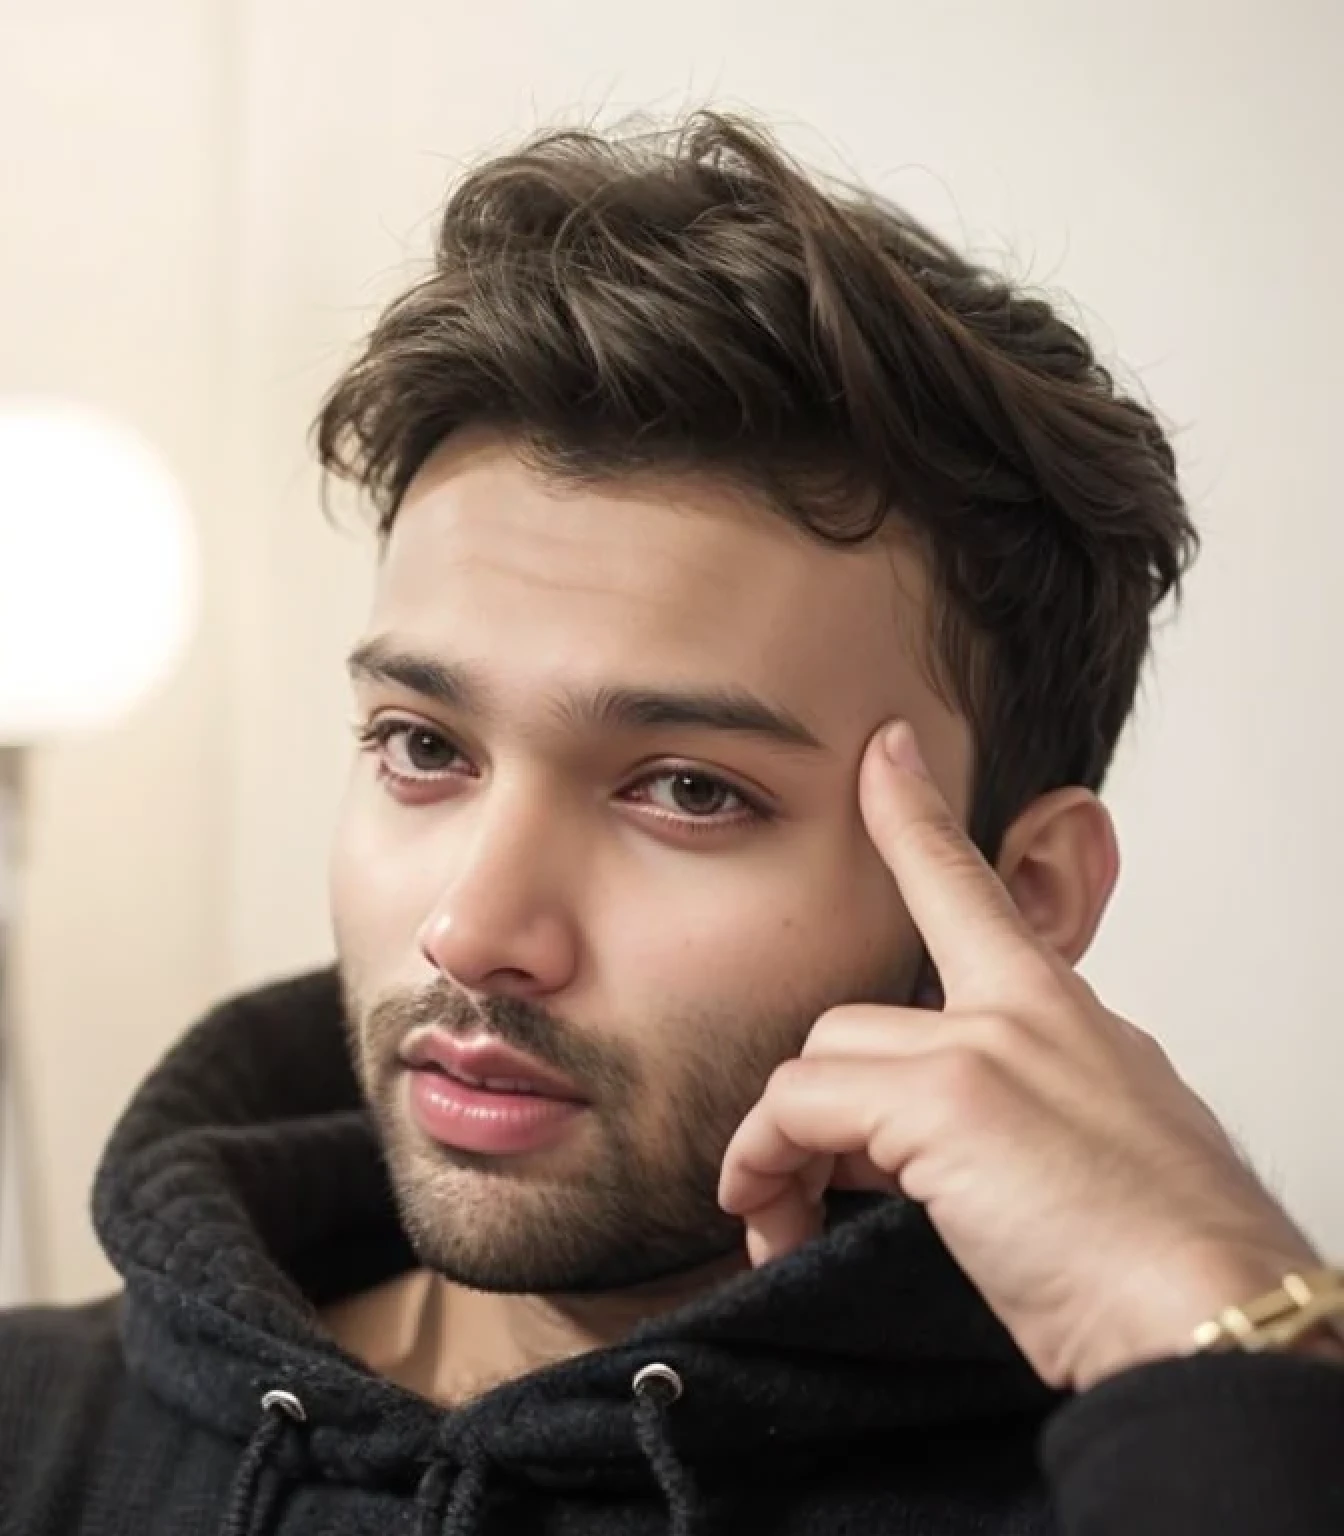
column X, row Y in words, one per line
column 1060, row 861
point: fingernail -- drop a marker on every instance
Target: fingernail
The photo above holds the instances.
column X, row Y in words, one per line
column 901, row 747
column 758, row 1249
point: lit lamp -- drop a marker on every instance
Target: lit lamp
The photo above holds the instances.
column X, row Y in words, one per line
column 98, row 592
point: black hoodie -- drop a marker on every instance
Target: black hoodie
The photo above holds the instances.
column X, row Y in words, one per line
column 859, row 1386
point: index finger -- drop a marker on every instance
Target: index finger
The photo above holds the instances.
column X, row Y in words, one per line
column 962, row 909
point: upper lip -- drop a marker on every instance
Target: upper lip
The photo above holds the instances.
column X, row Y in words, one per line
column 481, row 1057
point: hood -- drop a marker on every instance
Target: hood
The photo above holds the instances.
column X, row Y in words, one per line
column 244, row 1188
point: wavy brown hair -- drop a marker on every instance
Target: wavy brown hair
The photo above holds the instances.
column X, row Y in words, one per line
column 692, row 300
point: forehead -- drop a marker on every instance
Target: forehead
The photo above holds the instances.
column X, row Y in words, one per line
column 664, row 582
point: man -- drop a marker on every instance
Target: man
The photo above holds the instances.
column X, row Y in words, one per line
column 730, row 1145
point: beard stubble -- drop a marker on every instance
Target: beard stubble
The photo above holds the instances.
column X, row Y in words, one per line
column 629, row 1198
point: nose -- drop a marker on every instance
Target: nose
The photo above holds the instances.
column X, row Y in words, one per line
column 503, row 925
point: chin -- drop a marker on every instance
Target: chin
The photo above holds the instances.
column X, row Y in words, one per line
column 492, row 1229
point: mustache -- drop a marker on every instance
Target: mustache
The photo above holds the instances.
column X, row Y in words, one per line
column 515, row 1022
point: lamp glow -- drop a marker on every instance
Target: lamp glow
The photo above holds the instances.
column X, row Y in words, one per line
column 99, row 575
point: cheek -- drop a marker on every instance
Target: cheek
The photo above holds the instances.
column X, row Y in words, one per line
column 806, row 922
column 373, row 888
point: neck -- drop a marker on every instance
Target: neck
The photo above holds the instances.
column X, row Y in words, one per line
column 450, row 1344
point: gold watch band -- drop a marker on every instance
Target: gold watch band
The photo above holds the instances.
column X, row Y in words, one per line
column 1302, row 1302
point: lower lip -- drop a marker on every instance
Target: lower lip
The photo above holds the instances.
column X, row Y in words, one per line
column 479, row 1120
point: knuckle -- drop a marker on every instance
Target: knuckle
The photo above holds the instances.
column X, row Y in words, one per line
column 964, row 1078
column 1148, row 1044
column 999, row 1034
column 787, row 1077
column 1132, row 1049
column 834, row 1025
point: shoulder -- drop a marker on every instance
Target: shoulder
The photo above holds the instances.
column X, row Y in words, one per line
column 56, row 1364
column 34, row 1335
column 63, row 1385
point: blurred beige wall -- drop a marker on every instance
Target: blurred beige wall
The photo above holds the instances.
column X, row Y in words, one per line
column 116, row 169
column 204, row 201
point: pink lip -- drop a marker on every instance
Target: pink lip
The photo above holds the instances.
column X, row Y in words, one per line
column 481, row 1096
column 479, row 1060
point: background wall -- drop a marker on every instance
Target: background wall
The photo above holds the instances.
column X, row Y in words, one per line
column 204, row 200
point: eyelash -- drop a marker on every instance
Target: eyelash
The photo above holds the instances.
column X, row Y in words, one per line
column 377, row 735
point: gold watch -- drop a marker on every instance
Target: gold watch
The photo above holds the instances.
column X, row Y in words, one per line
column 1301, row 1303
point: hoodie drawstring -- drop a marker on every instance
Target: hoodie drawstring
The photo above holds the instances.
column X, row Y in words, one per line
column 462, row 1516
column 656, row 1388
column 245, row 1513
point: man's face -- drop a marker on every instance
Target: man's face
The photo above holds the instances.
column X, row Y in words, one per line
column 626, row 843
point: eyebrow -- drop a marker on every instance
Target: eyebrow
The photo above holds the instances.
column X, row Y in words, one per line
column 453, row 686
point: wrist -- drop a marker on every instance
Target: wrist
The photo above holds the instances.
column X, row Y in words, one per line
column 1325, row 1344
column 1174, row 1309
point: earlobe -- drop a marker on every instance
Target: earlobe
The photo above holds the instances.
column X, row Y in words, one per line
column 1060, row 861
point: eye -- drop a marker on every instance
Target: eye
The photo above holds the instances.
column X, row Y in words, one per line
column 691, row 795
column 407, row 751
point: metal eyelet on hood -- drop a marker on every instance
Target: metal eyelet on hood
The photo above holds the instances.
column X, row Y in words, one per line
column 657, row 1379
column 656, row 1387
column 287, row 1402
column 245, row 1512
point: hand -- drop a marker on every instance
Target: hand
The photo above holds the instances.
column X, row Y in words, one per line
column 1090, row 1196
